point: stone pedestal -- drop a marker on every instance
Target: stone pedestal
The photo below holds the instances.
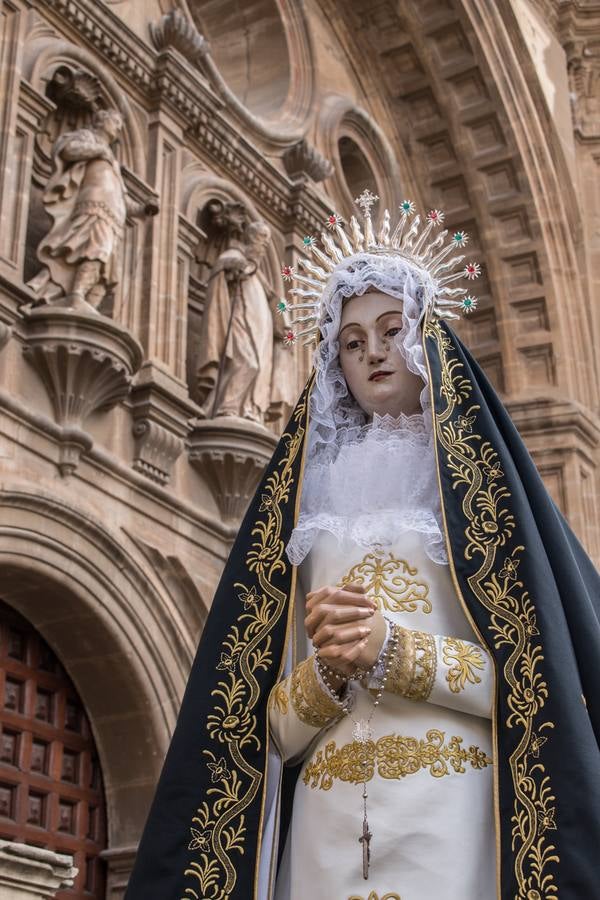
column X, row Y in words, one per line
column 86, row 362
column 231, row 453
column 30, row 873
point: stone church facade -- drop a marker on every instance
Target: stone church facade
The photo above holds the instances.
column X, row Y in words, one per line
column 120, row 492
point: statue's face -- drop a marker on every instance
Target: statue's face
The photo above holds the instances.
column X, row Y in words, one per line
column 374, row 368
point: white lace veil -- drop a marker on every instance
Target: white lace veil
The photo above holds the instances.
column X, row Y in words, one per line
column 369, row 481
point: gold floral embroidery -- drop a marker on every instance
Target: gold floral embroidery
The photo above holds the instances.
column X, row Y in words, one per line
column 279, row 698
column 463, row 658
column 375, row 896
column 425, row 667
column 391, row 583
column 311, row 704
column 218, row 830
column 475, row 467
column 393, row 756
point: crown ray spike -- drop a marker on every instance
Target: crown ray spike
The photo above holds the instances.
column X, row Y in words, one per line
column 450, row 278
column 448, row 303
column 384, row 232
column 315, row 271
column 433, row 246
column 322, row 258
column 311, row 282
column 301, row 320
column 331, row 247
column 433, row 263
column 447, row 266
column 303, row 294
column 356, row 235
column 346, row 245
column 445, row 313
column 411, row 234
column 299, row 334
column 422, row 238
column 449, row 292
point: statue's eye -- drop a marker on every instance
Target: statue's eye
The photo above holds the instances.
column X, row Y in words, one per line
column 353, row 345
column 392, row 332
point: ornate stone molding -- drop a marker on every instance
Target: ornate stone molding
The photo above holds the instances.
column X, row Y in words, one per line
column 156, row 450
column 189, row 93
column 86, row 363
column 231, row 454
column 30, row 872
column 161, row 411
column 175, row 30
column 303, row 159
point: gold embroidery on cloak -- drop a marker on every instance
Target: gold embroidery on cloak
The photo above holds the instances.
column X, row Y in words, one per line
column 475, row 465
column 218, row 830
column 393, row 756
column 391, row 583
column 463, row 658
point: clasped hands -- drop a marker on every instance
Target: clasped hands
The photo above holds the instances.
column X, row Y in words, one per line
column 346, row 628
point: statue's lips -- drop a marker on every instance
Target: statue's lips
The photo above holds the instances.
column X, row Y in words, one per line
column 379, row 376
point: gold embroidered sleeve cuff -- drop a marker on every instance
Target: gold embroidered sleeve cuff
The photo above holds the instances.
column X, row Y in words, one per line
column 311, row 702
column 414, row 665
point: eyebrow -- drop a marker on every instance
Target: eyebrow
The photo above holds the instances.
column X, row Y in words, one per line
column 389, row 312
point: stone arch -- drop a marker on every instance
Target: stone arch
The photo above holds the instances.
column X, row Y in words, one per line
column 121, row 640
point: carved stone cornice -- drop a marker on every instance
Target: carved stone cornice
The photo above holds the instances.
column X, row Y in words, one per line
column 302, row 159
column 27, row 871
column 231, row 454
column 555, row 424
column 86, row 363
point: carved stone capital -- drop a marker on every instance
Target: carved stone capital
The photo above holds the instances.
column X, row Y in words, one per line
column 302, row 159
column 231, row 454
column 31, row 872
column 85, row 361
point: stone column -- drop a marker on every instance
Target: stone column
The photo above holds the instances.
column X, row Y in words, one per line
column 30, row 873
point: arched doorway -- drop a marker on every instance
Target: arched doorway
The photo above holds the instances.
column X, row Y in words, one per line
column 51, row 791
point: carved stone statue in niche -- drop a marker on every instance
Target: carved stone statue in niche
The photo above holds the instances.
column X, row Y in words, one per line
column 88, row 204
column 243, row 371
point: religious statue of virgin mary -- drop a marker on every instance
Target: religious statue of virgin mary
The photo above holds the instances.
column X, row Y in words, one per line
column 396, row 694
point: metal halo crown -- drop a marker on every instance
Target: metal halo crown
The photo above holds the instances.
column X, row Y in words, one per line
column 414, row 243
